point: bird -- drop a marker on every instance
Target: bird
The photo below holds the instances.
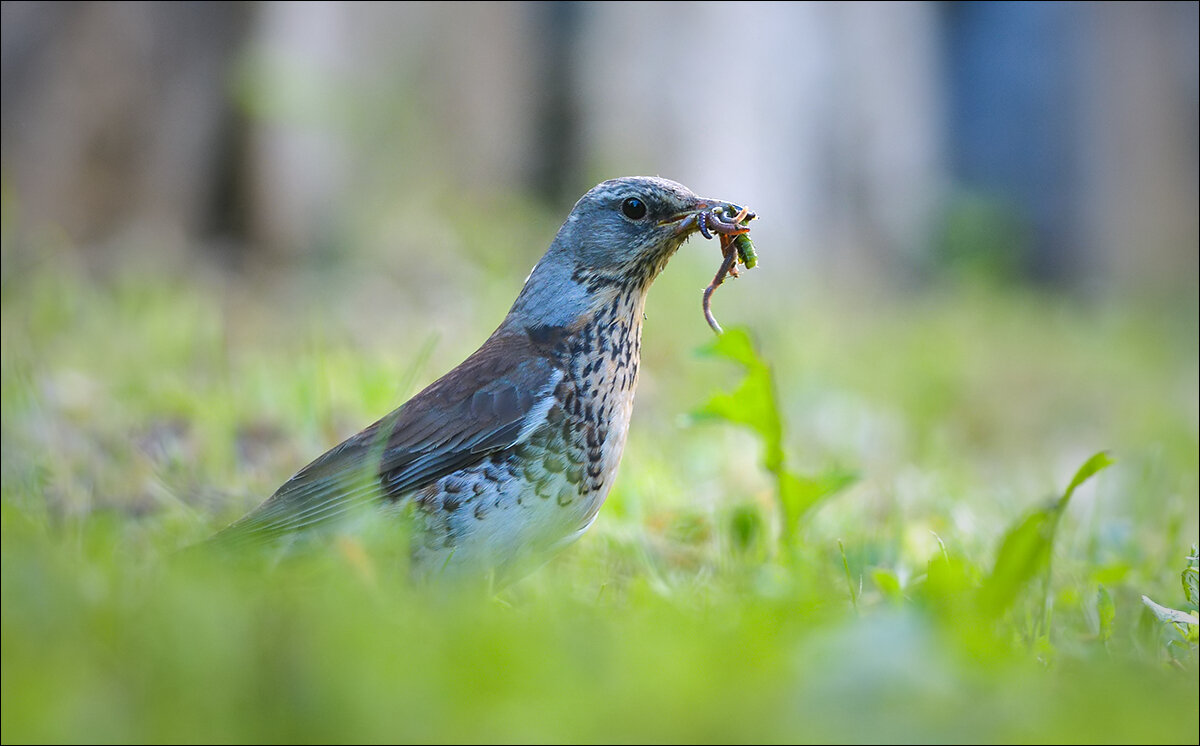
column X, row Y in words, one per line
column 508, row 457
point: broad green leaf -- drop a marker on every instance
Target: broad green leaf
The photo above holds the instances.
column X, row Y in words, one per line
column 1025, row 551
column 735, row 344
column 1166, row 614
column 751, row 404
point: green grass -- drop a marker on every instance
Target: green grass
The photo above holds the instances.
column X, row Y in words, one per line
column 879, row 545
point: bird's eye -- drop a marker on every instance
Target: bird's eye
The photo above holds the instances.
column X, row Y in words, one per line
column 633, row 208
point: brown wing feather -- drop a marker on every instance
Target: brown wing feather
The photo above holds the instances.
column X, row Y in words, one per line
column 482, row 406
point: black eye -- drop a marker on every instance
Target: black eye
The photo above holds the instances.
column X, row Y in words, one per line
column 633, row 208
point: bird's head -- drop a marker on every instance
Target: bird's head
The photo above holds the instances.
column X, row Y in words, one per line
column 617, row 239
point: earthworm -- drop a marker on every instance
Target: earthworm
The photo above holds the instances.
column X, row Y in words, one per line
column 735, row 246
column 727, row 266
column 718, row 224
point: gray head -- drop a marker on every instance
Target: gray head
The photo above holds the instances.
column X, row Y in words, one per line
column 617, row 238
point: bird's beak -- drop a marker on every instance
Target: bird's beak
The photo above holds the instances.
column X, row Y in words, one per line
column 689, row 220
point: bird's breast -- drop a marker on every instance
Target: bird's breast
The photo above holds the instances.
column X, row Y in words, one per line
column 595, row 398
column 544, row 492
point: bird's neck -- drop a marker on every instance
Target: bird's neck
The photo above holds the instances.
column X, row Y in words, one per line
column 567, row 299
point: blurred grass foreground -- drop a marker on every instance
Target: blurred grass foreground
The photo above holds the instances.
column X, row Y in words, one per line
column 894, row 572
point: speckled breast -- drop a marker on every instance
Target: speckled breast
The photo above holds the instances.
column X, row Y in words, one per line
column 520, row 506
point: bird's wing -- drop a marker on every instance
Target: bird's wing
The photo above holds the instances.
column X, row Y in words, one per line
column 493, row 401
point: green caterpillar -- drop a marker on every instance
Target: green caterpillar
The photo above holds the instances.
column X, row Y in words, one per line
column 743, row 244
column 745, row 250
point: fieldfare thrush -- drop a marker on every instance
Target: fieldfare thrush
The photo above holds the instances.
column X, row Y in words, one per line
column 509, row 456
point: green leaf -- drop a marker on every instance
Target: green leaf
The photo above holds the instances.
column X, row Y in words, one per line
column 746, row 526
column 735, row 344
column 1098, row 462
column 1025, row 551
column 949, row 589
column 887, row 582
column 799, row 493
column 1166, row 614
column 751, row 404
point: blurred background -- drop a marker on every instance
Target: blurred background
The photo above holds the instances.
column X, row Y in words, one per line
column 1044, row 141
